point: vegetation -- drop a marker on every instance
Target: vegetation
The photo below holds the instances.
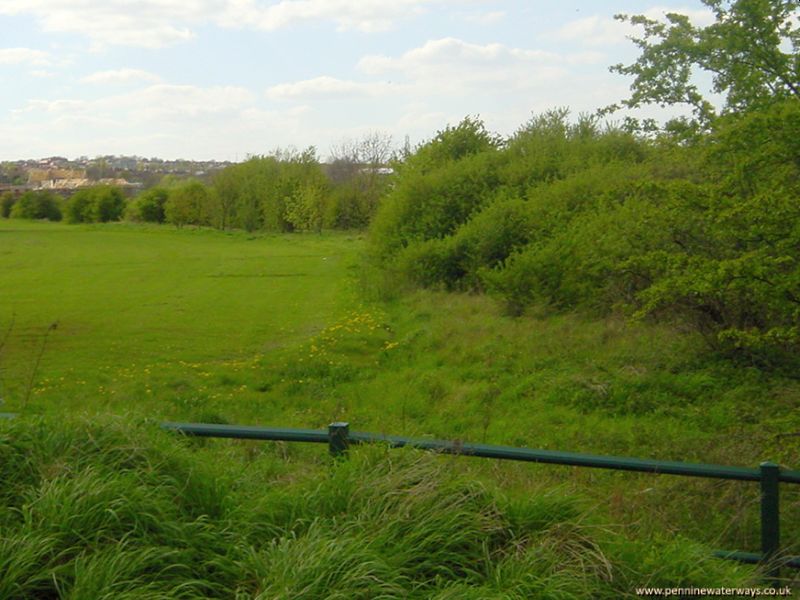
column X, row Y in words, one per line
column 574, row 217
column 31, row 205
column 248, row 340
column 649, row 301
column 750, row 51
column 117, row 509
column 97, row 204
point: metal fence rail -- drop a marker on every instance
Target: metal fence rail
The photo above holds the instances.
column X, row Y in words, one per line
column 339, row 437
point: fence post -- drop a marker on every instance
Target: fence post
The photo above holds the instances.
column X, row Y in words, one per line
column 770, row 518
column 338, row 438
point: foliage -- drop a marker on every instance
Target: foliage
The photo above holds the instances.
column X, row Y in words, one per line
column 117, row 509
column 35, row 205
column 97, row 204
column 7, row 201
column 304, row 209
column 750, row 50
column 736, row 275
column 260, row 193
column 149, row 206
column 453, row 192
column 696, row 226
column 188, row 204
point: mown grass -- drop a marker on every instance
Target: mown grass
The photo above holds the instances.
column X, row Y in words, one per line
column 306, row 350
column 133, row 302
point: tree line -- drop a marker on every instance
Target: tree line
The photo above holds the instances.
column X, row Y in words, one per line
column 284, row 191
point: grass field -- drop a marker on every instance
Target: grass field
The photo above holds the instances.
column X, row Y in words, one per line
column 135, row 304
column 157, row 323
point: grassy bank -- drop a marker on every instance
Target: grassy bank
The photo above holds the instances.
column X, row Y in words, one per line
column 156, row 323
column 117, row 509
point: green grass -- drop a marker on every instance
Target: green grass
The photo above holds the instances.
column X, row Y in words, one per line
column 156, row 323
column 116, row 508
column 138, row 305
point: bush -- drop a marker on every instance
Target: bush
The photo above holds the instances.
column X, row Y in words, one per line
column 734, row 271
column 37, row 205
column 261, row 192
column 431, row 204
column 149, row 206
column 98, row 204
column 188, row 204
column 7, row 202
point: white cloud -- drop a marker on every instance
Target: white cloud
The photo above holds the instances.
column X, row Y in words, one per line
column 149, row 103
column 326, row 87
column 157, row 23
column 452, row 66
column 362, row 15
column 157, row 120
column 452, row 51
column 602, row 30
column 121, row 76
column 24, row 56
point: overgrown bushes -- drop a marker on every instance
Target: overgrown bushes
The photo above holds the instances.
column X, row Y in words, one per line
column 573, row 217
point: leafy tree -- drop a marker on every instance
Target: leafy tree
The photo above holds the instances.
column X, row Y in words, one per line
column 305, row 208
column 108, row 204
column 97, row 204
column 149, row 205
column 751, row 51
column 78, row 207
column 188, row 205
column 37, row 205
column 7, row 201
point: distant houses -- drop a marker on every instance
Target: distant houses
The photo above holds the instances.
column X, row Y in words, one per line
column 73, row 184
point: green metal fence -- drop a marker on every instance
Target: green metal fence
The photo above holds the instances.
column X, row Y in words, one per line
column 338, row 437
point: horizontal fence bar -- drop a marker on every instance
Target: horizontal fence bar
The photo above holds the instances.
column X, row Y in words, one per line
column 574, row 458
column 338, row 437
column 243, row 432
column 753, row 558
column 485, row 451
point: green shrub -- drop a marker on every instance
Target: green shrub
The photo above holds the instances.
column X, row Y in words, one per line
column 734, row 271
column 97, row 204
column 7, row 201
column 188, row 204
column 149, row 206
column 429, row 204
column 37, row 205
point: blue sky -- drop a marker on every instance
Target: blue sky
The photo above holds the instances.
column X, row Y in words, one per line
column 222, row 79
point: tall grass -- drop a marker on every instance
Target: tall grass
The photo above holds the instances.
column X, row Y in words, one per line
column 119, row 509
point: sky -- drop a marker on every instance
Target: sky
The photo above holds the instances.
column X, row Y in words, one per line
column 226, row 79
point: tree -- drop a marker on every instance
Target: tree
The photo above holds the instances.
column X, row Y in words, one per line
column 7, row 201
column 37, row 205
column 751, row 51
column 358, row 181
column 98, row 204
column 108, row 204
column 306, row 207
column 188, row 205
column 149, row 205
